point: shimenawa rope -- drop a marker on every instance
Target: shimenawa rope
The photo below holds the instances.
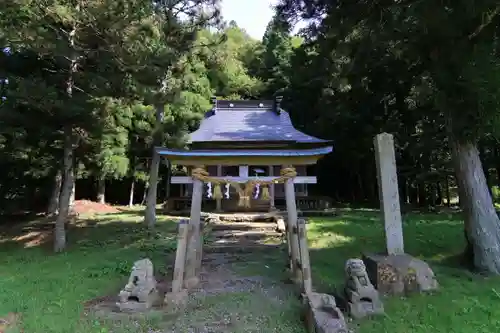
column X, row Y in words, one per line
column 244, row 189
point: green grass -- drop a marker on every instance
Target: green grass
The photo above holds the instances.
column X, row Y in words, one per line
column 465, row 303
column 49, row 290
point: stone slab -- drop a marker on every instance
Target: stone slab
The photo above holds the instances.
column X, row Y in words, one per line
column 399, row 274
column 139, row 306
column 176, row 301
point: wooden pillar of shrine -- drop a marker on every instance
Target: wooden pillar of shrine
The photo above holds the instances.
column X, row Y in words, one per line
column 271, row 190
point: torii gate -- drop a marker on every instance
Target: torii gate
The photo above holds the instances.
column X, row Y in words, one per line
column 243, row 133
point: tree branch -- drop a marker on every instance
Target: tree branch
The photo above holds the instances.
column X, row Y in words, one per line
column 486, row 21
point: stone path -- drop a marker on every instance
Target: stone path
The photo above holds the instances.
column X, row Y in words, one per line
column 235, row 293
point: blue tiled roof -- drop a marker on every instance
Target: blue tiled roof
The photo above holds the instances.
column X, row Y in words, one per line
column 248, row 152
column 247, row 121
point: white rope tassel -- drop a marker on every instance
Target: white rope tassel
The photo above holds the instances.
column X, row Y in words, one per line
column 226, row 194
column 209, row 190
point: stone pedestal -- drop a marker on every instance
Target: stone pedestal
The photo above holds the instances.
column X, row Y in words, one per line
column 322, row 314
column 399, row 274
column 175, row 301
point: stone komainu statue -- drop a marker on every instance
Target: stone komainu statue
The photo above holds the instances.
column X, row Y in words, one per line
column 362, row 297
column 140, row 292
column 323, row 315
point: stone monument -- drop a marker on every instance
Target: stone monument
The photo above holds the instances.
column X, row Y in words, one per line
column 394, row 272
column 363, row 299
column 323, row 315
column 140, row 292
column 388, row 192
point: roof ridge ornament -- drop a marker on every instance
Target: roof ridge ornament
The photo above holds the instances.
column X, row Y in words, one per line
column 277, row 104
column 213, row 100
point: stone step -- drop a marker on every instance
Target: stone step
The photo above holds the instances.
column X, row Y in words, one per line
column 238, row 248
column 243, row 226
column 243, row 217
column 250, row 234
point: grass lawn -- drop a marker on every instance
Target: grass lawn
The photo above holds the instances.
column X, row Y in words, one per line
column 466, row 302
column 49, row 290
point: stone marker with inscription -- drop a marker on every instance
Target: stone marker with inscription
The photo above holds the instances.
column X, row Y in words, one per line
column 388, row 192
column 394, row 273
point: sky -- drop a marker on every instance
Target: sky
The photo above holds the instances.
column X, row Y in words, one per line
column 251, row 15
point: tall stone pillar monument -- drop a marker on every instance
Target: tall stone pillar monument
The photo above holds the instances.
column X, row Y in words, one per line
column 389, row 193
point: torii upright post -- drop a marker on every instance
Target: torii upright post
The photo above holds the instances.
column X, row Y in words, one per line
column 291, row 207
column 193, row 260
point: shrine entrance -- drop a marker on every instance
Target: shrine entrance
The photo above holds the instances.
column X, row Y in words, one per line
column 188, row 261
column 255, row 136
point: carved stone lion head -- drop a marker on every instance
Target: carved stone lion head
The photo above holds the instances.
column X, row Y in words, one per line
column 355, row 267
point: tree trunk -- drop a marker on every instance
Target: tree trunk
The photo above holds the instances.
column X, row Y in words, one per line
column 151, row 199
column 439, row 194
column 67, row 187
column 56, row 193
column 73, row 189
column 422, row 194
column 486, row 169
column 447, row 188
column 145, row 193
column 131, row 196
column 101, row 190
column 482, row 225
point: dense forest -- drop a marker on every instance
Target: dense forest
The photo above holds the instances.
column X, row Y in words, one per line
column 89, row 87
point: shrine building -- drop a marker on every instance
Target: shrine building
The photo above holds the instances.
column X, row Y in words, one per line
column 240, row 141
